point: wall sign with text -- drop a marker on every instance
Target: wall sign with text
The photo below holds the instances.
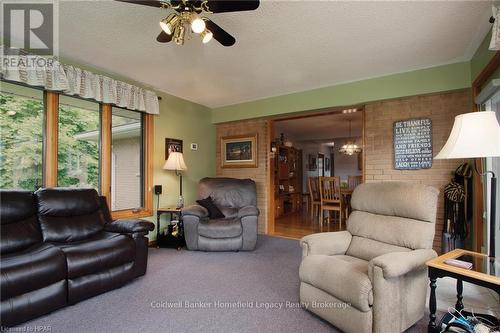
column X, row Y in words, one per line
column 413, row 144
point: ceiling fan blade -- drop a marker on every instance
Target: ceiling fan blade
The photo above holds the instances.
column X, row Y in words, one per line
column 220, row 35
column 163, row 37
column 224, row 6
column 150, row 3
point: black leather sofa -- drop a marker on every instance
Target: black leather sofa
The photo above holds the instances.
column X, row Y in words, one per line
column 59, row 246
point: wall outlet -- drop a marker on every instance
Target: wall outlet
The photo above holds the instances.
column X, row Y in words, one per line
column 194, row 146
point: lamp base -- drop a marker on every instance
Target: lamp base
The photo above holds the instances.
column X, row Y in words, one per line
column 180, row 202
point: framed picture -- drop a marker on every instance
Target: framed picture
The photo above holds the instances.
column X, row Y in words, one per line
column 239, row 151
column 172, row 145
column 311, row 162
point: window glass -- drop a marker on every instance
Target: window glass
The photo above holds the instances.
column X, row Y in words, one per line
column 21, row 136
column 78, row 143
column 127, row 181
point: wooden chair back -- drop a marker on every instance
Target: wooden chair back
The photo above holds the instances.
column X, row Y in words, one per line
column 330, row 189
column 353, row 181
column 313, row 184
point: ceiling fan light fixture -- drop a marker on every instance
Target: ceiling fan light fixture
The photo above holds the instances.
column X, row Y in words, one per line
column 169, row 23
column 197, row 24
column 179, row 34
column 206, row 36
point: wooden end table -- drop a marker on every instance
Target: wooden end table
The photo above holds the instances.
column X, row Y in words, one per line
column 482, row 273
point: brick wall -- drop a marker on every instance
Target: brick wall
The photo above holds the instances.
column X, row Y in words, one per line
column 259, row 174
column 442, row 109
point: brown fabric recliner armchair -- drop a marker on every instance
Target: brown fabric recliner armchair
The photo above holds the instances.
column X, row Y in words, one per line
column 372, row 277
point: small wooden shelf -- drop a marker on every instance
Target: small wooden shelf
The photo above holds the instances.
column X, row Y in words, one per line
column 287, row 173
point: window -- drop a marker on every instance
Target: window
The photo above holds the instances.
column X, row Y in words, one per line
column 127, row 163
column 49, row 139
column 78, row 143
column 21, row 134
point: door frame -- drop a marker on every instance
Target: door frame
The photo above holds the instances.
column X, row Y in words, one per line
column 271, row 160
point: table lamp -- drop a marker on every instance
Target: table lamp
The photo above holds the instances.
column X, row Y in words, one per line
column 176, row 163
column 476, row 135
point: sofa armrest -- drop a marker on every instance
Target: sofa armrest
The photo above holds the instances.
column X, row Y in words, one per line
column 397, row 264
column 195, row 210
column 129, row 226
column 248, row 211
column 326, row 243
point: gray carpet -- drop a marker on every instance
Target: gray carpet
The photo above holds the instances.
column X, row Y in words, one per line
column 266, row 276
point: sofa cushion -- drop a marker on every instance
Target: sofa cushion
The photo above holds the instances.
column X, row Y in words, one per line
column 36, row 267
column 18, row 224
column 103, row 251
column 69, row 214
column 220, row 228
column 343, row 276
column 367, row 249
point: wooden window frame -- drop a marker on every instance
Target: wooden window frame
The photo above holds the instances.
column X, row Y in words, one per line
column 50, row 158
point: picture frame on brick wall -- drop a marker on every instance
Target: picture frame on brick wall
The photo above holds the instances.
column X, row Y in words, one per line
column 239, row 151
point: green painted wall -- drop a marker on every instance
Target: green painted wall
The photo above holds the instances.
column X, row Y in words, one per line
column 190, row 122
column 481, row 57
column 425, row 81
column 179, row 119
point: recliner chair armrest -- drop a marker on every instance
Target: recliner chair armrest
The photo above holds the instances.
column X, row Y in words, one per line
column 248, row 211
column 129, row 226
column 326, row 243
column 195, row 210
column 396, row 264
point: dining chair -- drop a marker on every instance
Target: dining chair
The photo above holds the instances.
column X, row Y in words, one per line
column 315, row 202
column 353, row 181
column 330, row 196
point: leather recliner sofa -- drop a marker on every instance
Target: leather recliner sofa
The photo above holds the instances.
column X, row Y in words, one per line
column 60, row 246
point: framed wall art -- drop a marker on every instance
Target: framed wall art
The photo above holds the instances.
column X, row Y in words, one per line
column 239, row 151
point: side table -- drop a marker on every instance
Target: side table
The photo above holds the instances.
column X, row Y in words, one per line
column 168, row 239
column 482, row 273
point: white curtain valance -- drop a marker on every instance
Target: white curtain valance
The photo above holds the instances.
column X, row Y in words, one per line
column 52, row 75
column 495, row 30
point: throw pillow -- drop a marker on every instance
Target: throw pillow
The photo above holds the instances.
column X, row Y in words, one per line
column 213, row 211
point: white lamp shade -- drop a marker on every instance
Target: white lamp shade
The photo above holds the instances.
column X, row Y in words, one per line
column 175, row 162
column 474, row 135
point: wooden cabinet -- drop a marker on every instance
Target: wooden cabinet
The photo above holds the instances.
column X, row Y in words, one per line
column 287, row 180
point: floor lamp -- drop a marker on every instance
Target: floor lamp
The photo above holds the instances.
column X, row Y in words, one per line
column 476, row 135
column 175, row 162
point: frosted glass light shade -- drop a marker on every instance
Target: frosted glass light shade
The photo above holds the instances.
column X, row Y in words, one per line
column 474, row 135
column 175, row 162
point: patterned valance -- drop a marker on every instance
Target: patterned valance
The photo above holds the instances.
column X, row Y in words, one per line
column 495, row 30
column 52, row 75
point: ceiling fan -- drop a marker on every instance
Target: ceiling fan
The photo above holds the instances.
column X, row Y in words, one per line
column 187, row 17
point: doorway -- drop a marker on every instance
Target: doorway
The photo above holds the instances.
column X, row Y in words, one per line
column 305, row 150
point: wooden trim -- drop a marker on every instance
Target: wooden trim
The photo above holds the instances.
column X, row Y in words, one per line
column 105, row 158
column 317, row 113
column 477, row 186
column 50, row 139
column 148, row 161
column 363, row 152
column 271, row 202
column 148, row 149
column 485, row 74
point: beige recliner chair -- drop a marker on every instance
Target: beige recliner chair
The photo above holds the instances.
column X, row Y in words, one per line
column 372, row 277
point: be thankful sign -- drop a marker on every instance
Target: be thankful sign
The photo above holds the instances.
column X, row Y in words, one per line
column 413, row 144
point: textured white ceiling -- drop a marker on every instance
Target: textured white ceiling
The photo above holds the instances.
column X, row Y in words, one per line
column 283, row 47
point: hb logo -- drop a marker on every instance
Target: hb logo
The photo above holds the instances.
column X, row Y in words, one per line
column 29, row 26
